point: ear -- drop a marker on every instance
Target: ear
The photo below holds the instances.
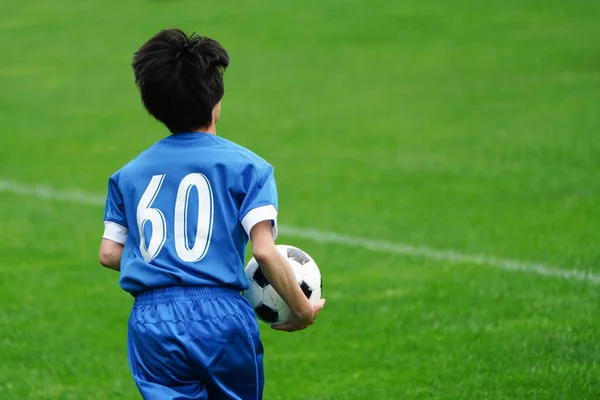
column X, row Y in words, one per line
column 216, row 113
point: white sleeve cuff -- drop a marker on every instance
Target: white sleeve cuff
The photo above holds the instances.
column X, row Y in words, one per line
column 115, row 232
column 260, row 214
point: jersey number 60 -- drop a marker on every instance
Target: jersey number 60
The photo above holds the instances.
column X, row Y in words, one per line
column 145, row 213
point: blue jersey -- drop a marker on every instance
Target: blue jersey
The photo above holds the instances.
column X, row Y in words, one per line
column 184, row 209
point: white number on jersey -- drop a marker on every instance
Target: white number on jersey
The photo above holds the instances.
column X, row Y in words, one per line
column 153, row 215
column 205, row 218
column 204, row 224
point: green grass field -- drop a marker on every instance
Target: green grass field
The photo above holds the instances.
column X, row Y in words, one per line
column 465, row 126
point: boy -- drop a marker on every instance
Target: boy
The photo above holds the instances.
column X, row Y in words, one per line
column 177, row 221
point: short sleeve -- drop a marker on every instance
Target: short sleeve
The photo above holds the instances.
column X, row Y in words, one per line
column 260, row 201
column 115, row 222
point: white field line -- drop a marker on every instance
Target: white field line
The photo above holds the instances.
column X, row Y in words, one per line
column 382, row 246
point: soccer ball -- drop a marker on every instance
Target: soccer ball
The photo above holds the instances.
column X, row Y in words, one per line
column 268, row 305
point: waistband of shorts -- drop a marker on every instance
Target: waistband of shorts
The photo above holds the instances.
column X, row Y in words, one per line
column 183, row 293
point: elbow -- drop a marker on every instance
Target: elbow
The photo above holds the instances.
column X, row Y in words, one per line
column 104, row 260
column 263, row 254
column 109, row 258
column 110, row 254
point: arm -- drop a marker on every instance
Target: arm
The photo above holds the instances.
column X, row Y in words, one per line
column 280, row 275
column 115, row 227
column 110, row 254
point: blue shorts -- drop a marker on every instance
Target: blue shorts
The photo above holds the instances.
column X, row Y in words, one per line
column 195, row 343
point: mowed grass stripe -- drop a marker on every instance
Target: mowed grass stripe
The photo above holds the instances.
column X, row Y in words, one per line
column 317, row 235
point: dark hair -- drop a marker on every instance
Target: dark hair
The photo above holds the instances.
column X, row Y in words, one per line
column 180, row 78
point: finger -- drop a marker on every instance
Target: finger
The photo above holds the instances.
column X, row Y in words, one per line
column 318, row 306
column 289, row 327
column 284, row 327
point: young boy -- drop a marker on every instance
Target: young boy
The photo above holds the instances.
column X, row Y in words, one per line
column 177, row 221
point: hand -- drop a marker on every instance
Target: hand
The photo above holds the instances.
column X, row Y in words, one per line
column 297, row 323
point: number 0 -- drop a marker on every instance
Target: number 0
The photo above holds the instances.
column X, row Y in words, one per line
column 205, row 218
column 147, row 214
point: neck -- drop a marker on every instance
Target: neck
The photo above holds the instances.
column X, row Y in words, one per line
column 212, row 129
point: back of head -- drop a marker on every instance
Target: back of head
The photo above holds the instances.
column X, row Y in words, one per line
column 180, row 78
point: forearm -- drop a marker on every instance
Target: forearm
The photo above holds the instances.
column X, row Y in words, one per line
column 281, row 276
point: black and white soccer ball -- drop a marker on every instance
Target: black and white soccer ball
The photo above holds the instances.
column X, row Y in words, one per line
column 267, row 304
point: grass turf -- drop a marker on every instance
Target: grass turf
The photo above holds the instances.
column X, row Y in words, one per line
column 471, row 126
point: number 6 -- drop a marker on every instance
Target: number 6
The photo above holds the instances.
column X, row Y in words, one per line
column 153, row 215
